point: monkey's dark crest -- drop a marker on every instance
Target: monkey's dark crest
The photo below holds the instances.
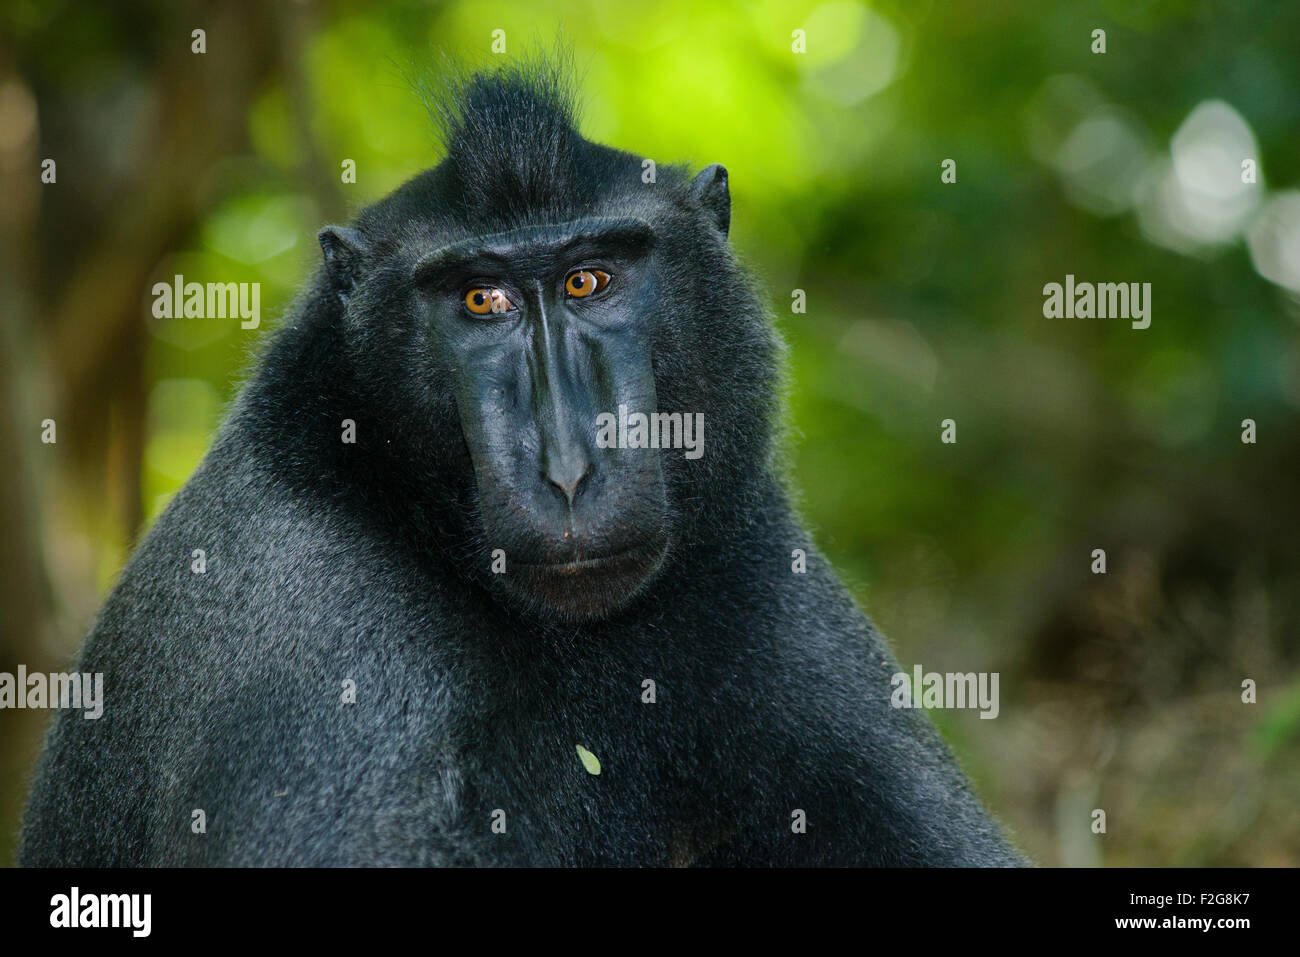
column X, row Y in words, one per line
column 410, row 498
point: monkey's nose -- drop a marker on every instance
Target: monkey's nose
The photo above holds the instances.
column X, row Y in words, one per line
column 568, row 476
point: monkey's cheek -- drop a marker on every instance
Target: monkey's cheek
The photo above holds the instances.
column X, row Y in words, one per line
column 588, row 590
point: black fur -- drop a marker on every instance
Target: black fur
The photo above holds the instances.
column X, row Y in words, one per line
column 370, row 561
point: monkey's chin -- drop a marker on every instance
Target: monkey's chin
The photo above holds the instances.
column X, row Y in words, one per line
column 589, row 589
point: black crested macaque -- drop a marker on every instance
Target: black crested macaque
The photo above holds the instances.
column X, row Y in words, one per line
column 459, row 606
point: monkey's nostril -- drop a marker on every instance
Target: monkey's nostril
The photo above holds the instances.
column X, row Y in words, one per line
column 568, row 480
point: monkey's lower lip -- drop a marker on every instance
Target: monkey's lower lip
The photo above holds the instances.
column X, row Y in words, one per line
column 593, row 587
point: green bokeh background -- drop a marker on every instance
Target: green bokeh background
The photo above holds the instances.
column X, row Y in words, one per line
column 924, row 302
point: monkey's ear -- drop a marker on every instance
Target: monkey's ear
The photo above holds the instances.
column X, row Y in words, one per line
column 710, row 190
column 343, row 248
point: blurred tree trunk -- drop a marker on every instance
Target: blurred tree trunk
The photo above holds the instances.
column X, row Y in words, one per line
column 76, row 260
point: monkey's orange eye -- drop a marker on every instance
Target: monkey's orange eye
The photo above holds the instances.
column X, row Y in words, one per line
column 484, row 301
column 581, row 283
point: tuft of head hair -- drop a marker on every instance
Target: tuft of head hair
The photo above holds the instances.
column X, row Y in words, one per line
column 514, row 153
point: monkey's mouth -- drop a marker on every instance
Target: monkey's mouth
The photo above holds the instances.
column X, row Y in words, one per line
column 595, row 563
column 593, row 587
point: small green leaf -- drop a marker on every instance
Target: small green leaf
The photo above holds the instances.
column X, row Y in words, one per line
column 589, row 760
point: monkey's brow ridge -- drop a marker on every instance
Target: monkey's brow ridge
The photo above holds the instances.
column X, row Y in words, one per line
column 613, row 233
